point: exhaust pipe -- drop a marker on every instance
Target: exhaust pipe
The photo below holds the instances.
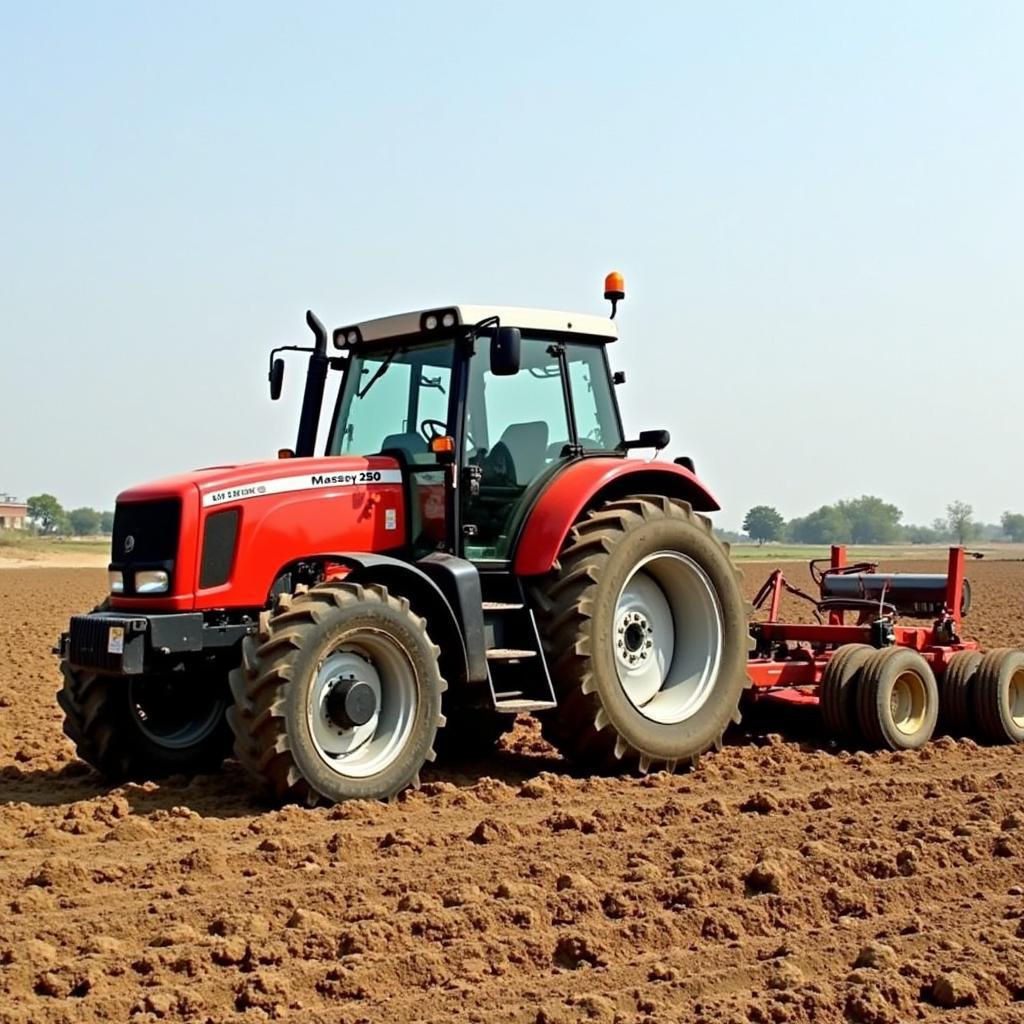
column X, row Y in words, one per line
column 313, row 396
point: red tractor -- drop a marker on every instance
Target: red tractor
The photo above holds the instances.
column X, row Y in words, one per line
column 470, row 539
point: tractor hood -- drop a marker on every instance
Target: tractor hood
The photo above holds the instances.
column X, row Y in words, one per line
column 229, row 531
column 223, row 485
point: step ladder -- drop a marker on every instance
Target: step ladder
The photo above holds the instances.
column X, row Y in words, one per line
column 517, row 672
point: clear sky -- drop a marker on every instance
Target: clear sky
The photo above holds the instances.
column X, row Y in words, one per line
column 819, row 209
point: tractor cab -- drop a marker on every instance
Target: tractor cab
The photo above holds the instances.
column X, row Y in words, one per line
column 481, row 406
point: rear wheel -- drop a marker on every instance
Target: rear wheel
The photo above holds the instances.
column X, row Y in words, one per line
column 339, row 697
column 956, row 693
column 646, row 634
column 999, row 696
column 838, row 689
column 897, row 699
column 146, row 727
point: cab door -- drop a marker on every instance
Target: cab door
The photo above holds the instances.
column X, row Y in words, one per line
column 428, row 416
column 517, row 433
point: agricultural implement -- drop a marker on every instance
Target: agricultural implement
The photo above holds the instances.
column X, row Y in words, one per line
column 467, row 539
column 878, row 681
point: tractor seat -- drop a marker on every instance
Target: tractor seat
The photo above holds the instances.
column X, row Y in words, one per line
column 410, row 444
column 527, row 445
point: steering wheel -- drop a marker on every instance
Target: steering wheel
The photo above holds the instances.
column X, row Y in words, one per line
column 433, row 428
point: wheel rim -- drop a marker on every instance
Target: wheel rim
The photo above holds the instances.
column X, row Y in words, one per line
column 667, row 637
column 173, row 713
column 908, row 703
column 358, row 751
column 1015, row 695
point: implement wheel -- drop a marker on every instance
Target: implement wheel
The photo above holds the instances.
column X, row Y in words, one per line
column 956, row 693
column 146, row 727
column 999, row 696
column 838, row 689
column 897, row 699
column 339, row 697
column 646, row 634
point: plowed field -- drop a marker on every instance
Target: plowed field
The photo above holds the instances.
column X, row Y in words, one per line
column 779, row 882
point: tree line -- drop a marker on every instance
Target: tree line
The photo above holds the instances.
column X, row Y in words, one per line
column 864, row 520
column 51, row 518
column 871, row 520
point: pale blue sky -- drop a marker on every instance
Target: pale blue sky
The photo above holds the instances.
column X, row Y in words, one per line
column 819, row 211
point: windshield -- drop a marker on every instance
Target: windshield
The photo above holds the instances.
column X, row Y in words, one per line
column 394, row 398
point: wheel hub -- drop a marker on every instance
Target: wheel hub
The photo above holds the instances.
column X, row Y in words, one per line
column 907, row 703
column 634, row 639
column 1015, row 696
column 350, row 702
column 667, row 637
column 361, row 705
column 175, row 712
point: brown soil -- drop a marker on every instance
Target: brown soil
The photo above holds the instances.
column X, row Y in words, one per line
column 779, row 882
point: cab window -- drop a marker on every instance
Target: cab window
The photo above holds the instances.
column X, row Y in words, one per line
column 394, row 399
column 597, row 423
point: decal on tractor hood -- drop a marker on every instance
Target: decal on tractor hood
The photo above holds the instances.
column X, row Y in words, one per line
column 305, row 482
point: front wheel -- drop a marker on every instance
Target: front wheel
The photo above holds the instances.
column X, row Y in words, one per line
column 149, row 726
column 647, row 635
column 339, row 697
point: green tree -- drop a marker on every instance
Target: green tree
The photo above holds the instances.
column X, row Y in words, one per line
column 1013, row 526
column 46, row 511
column 84, row 521
column 960, row 520
column 763, row 523
column 872, row 520
column 923, row 534
column 106, row 522
column 826, row 525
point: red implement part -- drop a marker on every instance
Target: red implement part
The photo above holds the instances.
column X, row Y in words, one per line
column 794, row 676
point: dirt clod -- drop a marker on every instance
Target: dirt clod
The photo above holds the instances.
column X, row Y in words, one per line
column 876, row 955
column 575, row 951
column 953, row 989
column 766, row 876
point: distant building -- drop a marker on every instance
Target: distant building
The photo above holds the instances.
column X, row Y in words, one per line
column 12, row 513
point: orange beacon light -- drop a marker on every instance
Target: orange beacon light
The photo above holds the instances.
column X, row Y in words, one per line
column 614, row 289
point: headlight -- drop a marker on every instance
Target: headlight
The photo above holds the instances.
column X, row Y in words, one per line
column 151, row 581
column 115, row 580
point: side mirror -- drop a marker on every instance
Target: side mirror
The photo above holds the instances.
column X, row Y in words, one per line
column 276, row 378
column 657, row 439
column 654, row 439
column 505, row 351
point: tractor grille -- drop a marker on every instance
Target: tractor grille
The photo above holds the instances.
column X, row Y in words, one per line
column 219, row 540
column 145, row 535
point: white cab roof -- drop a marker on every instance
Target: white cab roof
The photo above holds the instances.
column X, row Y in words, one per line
column 404, row 324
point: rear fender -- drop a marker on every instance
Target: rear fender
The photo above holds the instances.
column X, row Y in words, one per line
column 587, row 484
